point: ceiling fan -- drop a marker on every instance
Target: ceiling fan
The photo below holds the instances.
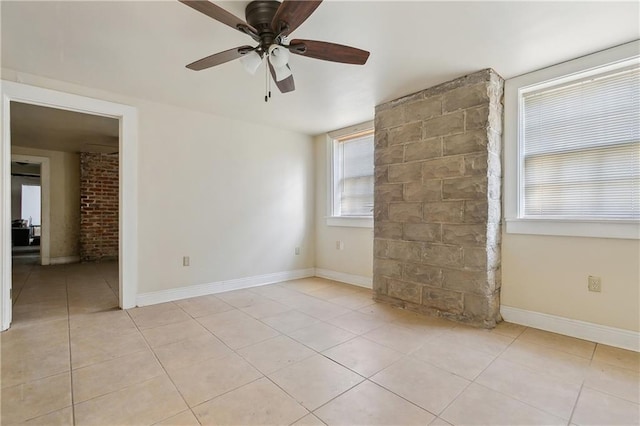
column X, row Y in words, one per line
column 269, row 23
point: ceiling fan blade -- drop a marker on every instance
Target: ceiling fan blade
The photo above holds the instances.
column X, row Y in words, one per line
column 219, row 58
column 219, row 14
column 329, row 51
column 287, row 85
column 291, row 14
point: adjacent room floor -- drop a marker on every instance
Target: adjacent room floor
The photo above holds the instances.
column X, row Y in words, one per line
column 300, row 352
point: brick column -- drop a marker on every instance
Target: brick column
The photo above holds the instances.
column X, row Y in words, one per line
column 98, row 206
column 437, row 200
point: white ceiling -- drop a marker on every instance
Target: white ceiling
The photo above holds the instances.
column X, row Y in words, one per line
column 140, row 49
column 55, row 129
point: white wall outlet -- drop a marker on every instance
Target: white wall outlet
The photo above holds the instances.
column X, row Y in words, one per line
column 185, row 261
column 339, row 245
column 297, row 251
column 595, row 284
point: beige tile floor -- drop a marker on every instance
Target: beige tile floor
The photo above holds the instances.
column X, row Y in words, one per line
column 304, row 352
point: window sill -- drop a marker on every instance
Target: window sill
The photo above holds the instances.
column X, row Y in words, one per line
column 623, row 229
column 351, row 222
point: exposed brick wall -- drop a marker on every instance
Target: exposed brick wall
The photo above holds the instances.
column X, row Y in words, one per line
column 98, row 206
column 437, row 200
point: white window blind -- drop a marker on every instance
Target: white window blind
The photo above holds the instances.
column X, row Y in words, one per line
column 580, row 146
column 354, row 176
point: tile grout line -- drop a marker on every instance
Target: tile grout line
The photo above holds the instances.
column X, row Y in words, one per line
column 530, row 368
column 575, row 405
column 584, row 379
column 73, row 405
column 474, row 380
column 368, row 379
column 280, row 334
column 56, row 374
column 228, row 347
column 535, row 370
column 112, row 290
column 94, row 363
column 555, row 348
column 356, row 335
column 221, row 341
column 337, row 396
column 225, row 393
column 24, row 283
column 627, row 371
column 552, row 349
column 162, row 367
column 243, row 358
column 593, row 353
column 411, row 402
column 292, row 309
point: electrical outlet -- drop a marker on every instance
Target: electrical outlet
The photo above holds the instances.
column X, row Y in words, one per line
column 185, row 261
column 297, row 251
column 595, row 284
column 339, row 245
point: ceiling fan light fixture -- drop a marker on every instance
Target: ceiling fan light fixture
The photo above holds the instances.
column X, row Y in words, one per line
column 278, row 56
column 282, row 72
column 251, row 61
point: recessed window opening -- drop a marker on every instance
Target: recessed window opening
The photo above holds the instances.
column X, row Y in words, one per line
column 353, row 175
column 580, row 148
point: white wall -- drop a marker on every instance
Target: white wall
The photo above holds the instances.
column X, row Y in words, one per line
column 549, row 275
column 357, row 256
column 235, row 197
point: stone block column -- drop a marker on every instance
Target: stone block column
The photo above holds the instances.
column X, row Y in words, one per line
column 437, row 200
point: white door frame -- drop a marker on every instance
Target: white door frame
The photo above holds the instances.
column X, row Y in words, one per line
column 128, row 195
column 45, row 209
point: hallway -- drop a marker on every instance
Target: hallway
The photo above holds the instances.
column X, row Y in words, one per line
column 54, row 292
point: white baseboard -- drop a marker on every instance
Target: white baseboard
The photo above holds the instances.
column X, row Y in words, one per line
column 358, row 280
column 611, row 336
column 180, row 293
column 63, row 260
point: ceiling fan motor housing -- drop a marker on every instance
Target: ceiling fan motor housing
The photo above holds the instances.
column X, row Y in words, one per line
column 259, row 15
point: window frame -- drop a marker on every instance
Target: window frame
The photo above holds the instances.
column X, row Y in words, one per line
column 332, row 218
column 598, row 63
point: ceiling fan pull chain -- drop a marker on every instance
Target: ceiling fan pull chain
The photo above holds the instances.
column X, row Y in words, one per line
column 266, row 82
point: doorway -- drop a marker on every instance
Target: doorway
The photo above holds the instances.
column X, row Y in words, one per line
column 26, row 211
column 127, row 185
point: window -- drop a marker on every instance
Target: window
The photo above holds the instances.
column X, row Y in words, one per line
column 577, row 151
column 31, row 204
column 581, row 148
column 352, row 177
